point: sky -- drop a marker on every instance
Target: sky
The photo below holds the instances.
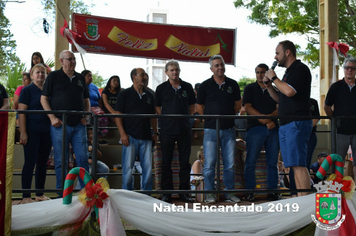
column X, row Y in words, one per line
column 253, row 46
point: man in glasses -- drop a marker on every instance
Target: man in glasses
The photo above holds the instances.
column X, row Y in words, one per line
column 175, row 96
column 65, row 89
column 219, row 95
column 341, row 101
column 293, row 100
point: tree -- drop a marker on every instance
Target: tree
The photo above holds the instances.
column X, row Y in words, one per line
column 7, row 44
column 243, row 82
column 98, row 80
column 284, row 17
column 14, row 77
column 75, row 6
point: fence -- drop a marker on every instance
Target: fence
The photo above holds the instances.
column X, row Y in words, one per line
column 94, row 120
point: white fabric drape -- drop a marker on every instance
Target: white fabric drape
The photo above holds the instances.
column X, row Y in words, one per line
column 137, row 209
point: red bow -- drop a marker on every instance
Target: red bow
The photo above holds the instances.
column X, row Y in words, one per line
column 63, row 33
column 344, row 48
column 95, row 195
column 346, row 184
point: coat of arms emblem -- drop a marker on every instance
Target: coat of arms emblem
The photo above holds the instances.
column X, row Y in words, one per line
column 92, row 29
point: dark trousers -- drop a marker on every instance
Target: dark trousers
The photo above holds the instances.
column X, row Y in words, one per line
column 167, row 147
column 36, row 152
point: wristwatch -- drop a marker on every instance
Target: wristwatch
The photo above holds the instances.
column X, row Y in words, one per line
column 273, row 78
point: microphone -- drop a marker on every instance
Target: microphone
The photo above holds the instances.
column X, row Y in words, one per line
column 272, row 67
column 275, row 63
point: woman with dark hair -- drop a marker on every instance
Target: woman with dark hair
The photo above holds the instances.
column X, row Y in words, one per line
column 95, row 101
column 94, row 94
column 110, row 93
column 35, row 135
column 37, row 58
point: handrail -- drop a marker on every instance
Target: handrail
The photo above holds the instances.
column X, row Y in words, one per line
column 219, row 118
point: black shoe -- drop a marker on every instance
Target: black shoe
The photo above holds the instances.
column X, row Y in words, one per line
column 185, row 198
column 250, row 197
column 103, row 142
column 166, row 198
column 274, row 196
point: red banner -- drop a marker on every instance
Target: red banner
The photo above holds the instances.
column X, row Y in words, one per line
column 7, row 136
column 150, row 40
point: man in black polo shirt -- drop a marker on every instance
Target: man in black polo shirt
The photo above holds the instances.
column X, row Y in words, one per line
column 219, row 95
column 342, row 95
column 261, row 133
column 293, row 100
column 135, row 132
column 175, row 96
column 65, row 89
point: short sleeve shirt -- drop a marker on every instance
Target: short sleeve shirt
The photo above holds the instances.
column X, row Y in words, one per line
column 175, row 101
column 66, row 93
column 344, row 101
column 219, row 100
column 130, row 102
column 94, row 95
column 260, row 100
column 31, row 96
column 314, row 110
column 297, row 76
column 112, row 98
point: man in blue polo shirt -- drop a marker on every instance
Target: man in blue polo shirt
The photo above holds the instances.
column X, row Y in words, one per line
column 261, row 133
column 341, row 101
column 65, row 89
column 175, row 96
column 219, row 95
column 293, row 100
column 135, row 132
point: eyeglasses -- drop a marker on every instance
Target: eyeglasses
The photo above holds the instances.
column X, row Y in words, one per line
column 350, row 67
column 70, row 58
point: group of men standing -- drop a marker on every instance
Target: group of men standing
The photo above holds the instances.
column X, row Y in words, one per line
column 65, row 89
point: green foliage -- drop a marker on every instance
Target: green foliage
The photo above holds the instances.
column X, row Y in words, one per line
column 50, row 62
column 7, row 44
column 243, row 82
column 14, row 78
column 284, row 17
column 98, row 80
column 75, row 6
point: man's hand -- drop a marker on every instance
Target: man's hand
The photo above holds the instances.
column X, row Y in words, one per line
column 84, row 121
column 271, row 125
column 55, row 122
column 125, row 140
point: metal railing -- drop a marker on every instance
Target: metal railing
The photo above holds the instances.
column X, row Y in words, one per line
column 219, row 118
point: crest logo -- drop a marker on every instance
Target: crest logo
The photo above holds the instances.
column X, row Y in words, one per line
column 184, row 94
column 229, row 89
column 328, row 206
column 92, row 30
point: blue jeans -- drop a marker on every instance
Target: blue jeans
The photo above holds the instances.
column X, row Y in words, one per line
column 256, row 138
column 101, row 167
column 228, row 147
column 77, row 137
column 142, row 149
